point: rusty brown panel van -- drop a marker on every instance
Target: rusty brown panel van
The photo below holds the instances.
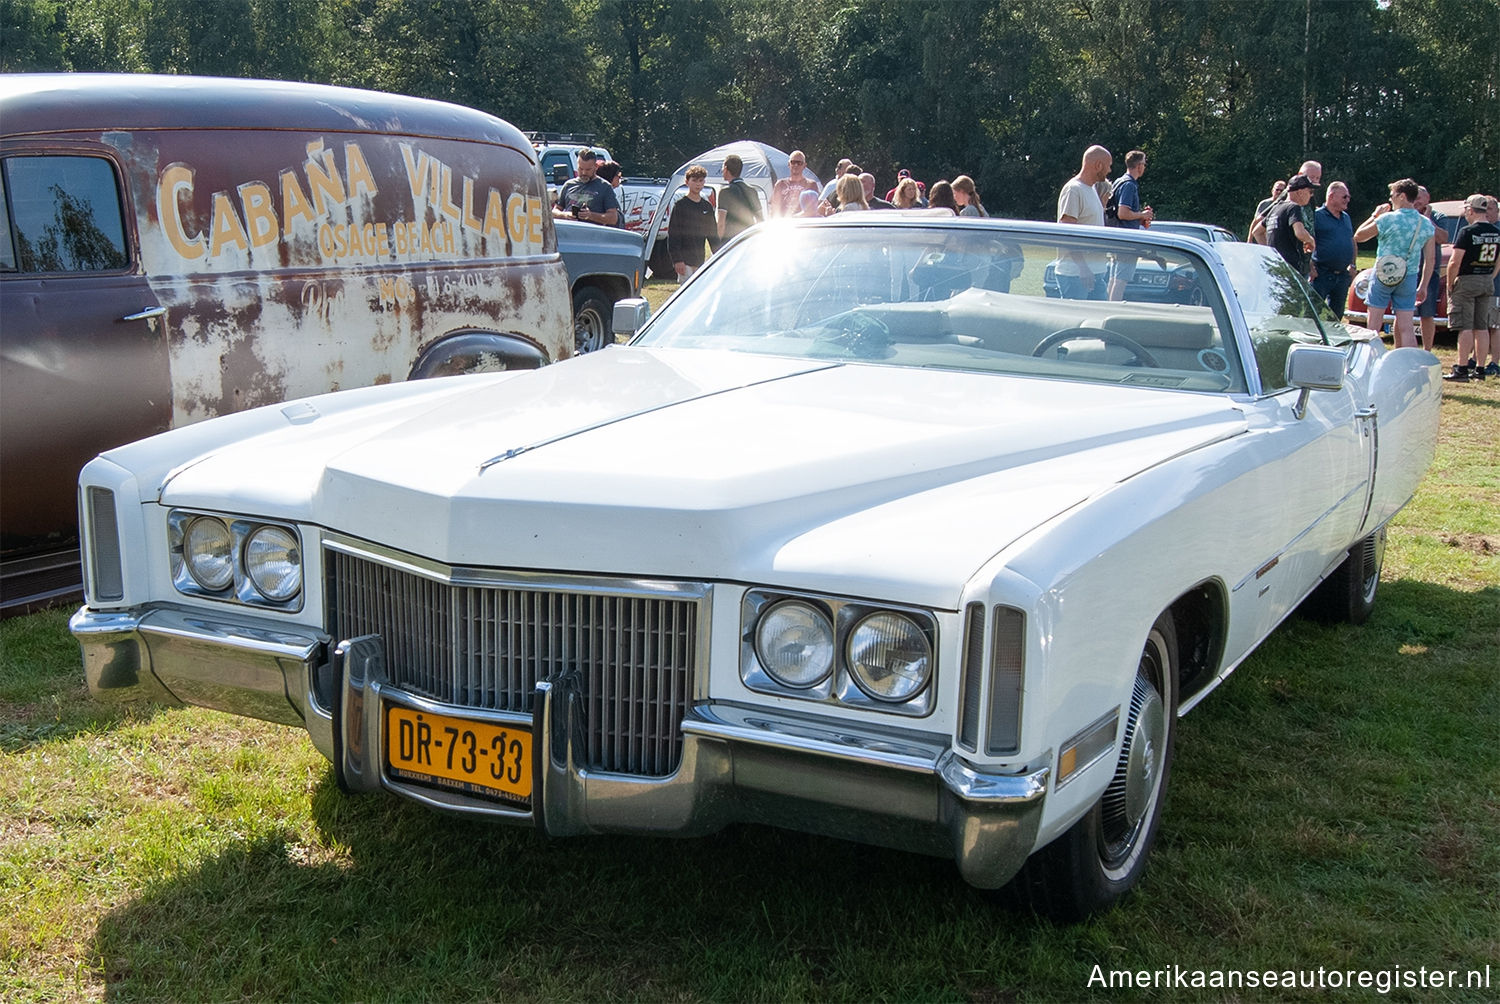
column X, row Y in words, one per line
column 175, row 248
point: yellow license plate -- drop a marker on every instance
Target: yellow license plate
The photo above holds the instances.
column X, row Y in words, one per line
column 477, row 758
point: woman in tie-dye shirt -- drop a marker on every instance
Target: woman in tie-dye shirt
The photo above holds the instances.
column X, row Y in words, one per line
column 1405, row 232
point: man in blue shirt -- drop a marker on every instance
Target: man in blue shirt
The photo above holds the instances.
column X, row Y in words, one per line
column 1333, row 257
column 1126, row 209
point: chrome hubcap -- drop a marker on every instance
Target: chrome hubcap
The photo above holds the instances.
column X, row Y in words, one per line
column 1143, row 762
column 1372, row 556
column 1133, row 793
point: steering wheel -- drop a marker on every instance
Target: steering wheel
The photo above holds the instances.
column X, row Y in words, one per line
column 1182, row 286
column 1104, row 335
column 858, row 334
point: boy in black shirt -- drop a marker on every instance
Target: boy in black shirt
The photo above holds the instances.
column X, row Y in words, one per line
column 1472, row 267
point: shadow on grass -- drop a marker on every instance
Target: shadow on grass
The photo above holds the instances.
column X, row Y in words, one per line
column 432, row 907
column 1323, row 733
column 1469, row 398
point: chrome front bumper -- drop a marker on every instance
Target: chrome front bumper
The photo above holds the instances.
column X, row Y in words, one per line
column 739, row 764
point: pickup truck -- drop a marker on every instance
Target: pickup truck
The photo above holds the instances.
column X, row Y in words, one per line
column 639, row 197
column 604, row 265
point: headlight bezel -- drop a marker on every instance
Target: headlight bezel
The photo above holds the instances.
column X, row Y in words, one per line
column 241, row 588
column 839, row 687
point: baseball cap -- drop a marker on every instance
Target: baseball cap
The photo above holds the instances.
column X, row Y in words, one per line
column 1478, row 203
column 1299, row 182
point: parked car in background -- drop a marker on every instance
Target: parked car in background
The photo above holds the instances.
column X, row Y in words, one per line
column 176, row 248
column 1450, row 213
column 846, row 540
column 1203, row 231
column 1153, row 280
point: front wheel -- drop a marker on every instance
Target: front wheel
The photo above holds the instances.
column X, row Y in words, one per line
column 1103, row 855
column 592, row 321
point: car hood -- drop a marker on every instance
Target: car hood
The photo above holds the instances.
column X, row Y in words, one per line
column 866, row 479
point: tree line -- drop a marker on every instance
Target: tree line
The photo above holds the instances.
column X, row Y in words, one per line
column 1224, row 95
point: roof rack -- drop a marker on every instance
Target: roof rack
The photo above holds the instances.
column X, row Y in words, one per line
column 539, row 138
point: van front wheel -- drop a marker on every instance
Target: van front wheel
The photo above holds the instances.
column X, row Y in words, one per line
column 592, row 328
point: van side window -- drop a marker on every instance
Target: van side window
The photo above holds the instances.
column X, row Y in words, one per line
column 64, row 215
column 7, row 245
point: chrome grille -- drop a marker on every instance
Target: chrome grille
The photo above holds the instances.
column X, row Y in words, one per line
column 486, row 644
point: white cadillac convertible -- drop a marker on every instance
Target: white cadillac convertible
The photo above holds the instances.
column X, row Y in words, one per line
column 870, row 532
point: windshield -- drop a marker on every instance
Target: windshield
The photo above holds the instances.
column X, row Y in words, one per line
column 1279, row 308
column 963, row 297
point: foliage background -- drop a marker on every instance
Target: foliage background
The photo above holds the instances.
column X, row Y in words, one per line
column 1224, row 95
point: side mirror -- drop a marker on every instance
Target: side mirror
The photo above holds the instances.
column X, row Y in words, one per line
column 1313, row 367
column 630, row 315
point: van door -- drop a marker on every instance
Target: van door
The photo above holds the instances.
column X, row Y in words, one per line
column 83, row 359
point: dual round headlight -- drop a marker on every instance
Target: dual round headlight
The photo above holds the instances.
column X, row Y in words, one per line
column 794, row 642
column 272, row 558
column 888, row 654
column 208, row 550
column 273, row 563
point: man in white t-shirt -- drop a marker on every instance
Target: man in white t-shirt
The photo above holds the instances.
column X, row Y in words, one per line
column 1080, row 275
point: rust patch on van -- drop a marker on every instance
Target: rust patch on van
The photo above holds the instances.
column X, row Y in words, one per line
column 317, row 240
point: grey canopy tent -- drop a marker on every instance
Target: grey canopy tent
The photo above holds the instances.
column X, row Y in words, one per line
column 764, row 166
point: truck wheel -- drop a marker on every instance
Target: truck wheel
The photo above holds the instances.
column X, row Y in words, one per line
column 1103, row 855
column 1348, row 595
column 592, row 329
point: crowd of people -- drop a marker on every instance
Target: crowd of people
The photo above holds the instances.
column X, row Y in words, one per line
column 1321, row 243
column 698, row 228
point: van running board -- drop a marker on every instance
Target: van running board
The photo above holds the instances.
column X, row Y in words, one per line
column 31, row 582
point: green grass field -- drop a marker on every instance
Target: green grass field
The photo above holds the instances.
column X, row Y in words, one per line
column 1334, row 805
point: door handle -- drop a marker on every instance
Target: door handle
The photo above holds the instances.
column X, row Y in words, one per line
column 145, row 315
column 1369, row 412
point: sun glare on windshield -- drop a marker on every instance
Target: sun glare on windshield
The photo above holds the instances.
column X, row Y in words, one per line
column 966, row 298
